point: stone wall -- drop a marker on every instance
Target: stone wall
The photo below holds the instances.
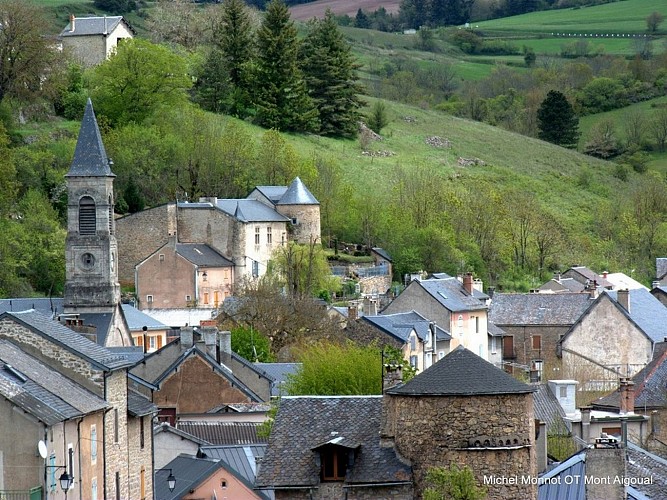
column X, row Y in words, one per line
column 86, row 50
column 375, row 284
column 140, row 458
column 431, row 431
column 523, row 346
column 116, row 450
column 307, row 228
column 336, row 491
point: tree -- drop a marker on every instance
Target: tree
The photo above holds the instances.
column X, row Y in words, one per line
column 658, row 126
column 453, row 483
column 179, row 21
column 280, row 94
column 116, row 6
column 330, row 369
column 252, row 345
column 138, row 79
column 602, row 141
column 653, row 21
column 556, row 120
column 25, row 53
column 330, row 75
column 378, row 118
column 361, row 20
column 303, row 269
column 634, row 124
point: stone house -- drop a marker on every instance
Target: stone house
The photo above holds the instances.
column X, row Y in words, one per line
column 118, row 418
column 172, row 377
column 244, row 231
column 381, row 448
column 91, row 40
column 615, row 337
column 458, row 308
column 533, row 323
column 180, row 275
column 585, row 276
column 422, row 342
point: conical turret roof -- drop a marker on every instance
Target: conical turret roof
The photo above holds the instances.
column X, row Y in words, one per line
column 297, row 194
column 90, row 157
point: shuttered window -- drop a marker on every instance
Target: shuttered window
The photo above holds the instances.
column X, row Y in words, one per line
column 87, row 217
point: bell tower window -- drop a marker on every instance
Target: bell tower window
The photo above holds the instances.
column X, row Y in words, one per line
column 87, row 216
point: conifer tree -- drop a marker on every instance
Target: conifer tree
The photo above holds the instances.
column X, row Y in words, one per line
column 280, row 95
column 330, row 73
column 556, row 120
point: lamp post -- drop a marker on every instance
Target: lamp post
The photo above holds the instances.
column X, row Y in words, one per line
column 66, row 479
column 171, row 480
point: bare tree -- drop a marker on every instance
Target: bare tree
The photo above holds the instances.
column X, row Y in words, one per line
column 653, row 21
column 634, row 124
column 658, row 127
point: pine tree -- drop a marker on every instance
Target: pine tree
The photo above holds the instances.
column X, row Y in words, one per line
column 279, row 87
column 234, row 38
column 330, row 73
column 556, row 120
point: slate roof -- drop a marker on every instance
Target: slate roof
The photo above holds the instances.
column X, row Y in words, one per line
column 575, row 466
column 621, row 281
column 139, row 405
column 297, row 194
column 461, row 373
column 241, row 408
column 650, row 385
column 303, row 423
column 252, row 210
column 76, row 343
column 553, row 309
column 584, row 274
column 273, row 193
column 279, row 373
column 660, row 267
column 640, row 464
column 90, row 157
column 137, row 319
column 202, row 255
column 189, row 472
column 450, row 293
column 382, row 253
column 400, row 325
column 647, row 312
column 548, row 409
column 221, row 433
column 40, row 390
column 494, row 330
column 48, row 306
column 563, row 284
column 92, row 26
column 165, row 427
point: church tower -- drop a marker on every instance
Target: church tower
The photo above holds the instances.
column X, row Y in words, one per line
column 91, row 283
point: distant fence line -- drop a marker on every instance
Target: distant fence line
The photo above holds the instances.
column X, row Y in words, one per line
column 600, row 35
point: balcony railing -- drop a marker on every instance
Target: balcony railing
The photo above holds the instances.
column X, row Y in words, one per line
column 31, row 494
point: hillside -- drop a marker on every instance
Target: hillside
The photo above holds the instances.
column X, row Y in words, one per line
column 306, row 11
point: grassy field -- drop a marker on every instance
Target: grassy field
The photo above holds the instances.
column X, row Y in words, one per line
column 628, row 16
column 553, row 46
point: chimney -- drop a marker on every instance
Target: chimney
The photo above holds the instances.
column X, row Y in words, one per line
column 627, row 390
column 593, row 289
column 370, row 306
column 468, row 283
column 605, row 274
column 557, row 276
column 210, row 334
column 586, row 423
column 352, row 312
column 655, row 284
column 623, row 299
column 393, row 375
column 608, row 464
column 72, row 20
column 224, row 346
column 187, row 336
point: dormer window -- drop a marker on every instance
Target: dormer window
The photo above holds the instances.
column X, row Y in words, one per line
column 334, row 463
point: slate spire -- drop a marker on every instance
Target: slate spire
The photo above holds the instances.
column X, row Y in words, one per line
column 297, row 194
column 90, row 157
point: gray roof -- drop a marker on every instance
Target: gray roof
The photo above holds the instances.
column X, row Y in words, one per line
column 660, row 267
column 48, row 306
column 642, row 464
column 189, row 472
column 136, row 319
column 494, row 330
column 279, row 373
column 90, row 157
column 139, row 405
column 451, row 294
column 400, row 325
column 647, row 312
column 220, row 433
column 382, row 253
column 273, row 193
column 297, row 194
column 584, row 274
column 251, row 210
column 202, row 255
column 165, row 427
column 553, row 309
column 92, row 26
column 462, row 373
column 549, row 410
column 242, row 460
column 41, row 390
column 560, row 489
column 649, row 387
column 76, row 343
column 304, row 423
column 101, row 322
column 563, row 285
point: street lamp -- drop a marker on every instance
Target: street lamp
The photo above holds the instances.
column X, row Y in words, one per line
column 66, row 481
column 171, row 480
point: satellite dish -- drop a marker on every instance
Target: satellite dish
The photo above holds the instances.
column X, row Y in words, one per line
column 43, row 451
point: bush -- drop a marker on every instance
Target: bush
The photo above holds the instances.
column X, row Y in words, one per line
column 467, row 41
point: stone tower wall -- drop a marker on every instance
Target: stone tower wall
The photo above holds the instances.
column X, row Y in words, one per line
column 307, row 228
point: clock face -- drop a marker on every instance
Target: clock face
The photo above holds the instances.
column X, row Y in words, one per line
column 87, row 261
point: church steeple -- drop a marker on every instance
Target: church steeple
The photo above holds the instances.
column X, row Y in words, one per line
column 90, row 157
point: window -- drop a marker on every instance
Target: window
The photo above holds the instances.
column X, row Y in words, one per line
column 216, row 298
column 223, row 484
column 476, row 324
column 159, row 341
column 141, row 435
column 161, row 257
column 493, row 345
column 142, row 483
column 151, row 343
column 93, row 489
column 612, row 431
column 149, row 299
column 537, row 365
column 93, row 444
column 562, row 391
column 70, row 447
column 537, row 342
column 87, row 216
column 413, row 343
column 460, row 321
column 257, row 236
column 255, row 268
column 115, row 425
column 269, row 236
column 188, row 298
column 117, row 485
column 139, row 340
column 441, row 354
column 206, row 298
column 334, row 464
column 413, row 361
column 295, row 221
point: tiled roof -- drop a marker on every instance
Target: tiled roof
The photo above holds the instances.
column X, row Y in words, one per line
column 400, row 325
column 242, row 460
column 641, row 464
column 202, row 255
column 549, row 410
column 92, row 26
column 649, row 387
column 647, row 312
column 165, row 427
column 139, row 405
column 554, row 309
column 90, row 157
column 40, row 390
column 303, row 423
column 660, row 267
column 584, row 274
column 564, row 284
column 279, row 372
column 223, row 432
column 462, row 373
column 297, row 194
column 189, row 472
column 74, row 342
column 451, row 294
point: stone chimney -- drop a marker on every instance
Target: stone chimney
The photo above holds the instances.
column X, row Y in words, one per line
column 187, row 336
column 627, row 392
column 592, row 289
column 210, row 334
column 608, row 464
column 623, row 299
column 370, row 307
column 224, row 347
column 655, row 284
column 352, row 312
column 393, row 375
column 586, row 423
column 468, row 283
column 72, row 20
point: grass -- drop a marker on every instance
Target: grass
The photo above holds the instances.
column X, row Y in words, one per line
column 553, row 46
column 628, row 16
